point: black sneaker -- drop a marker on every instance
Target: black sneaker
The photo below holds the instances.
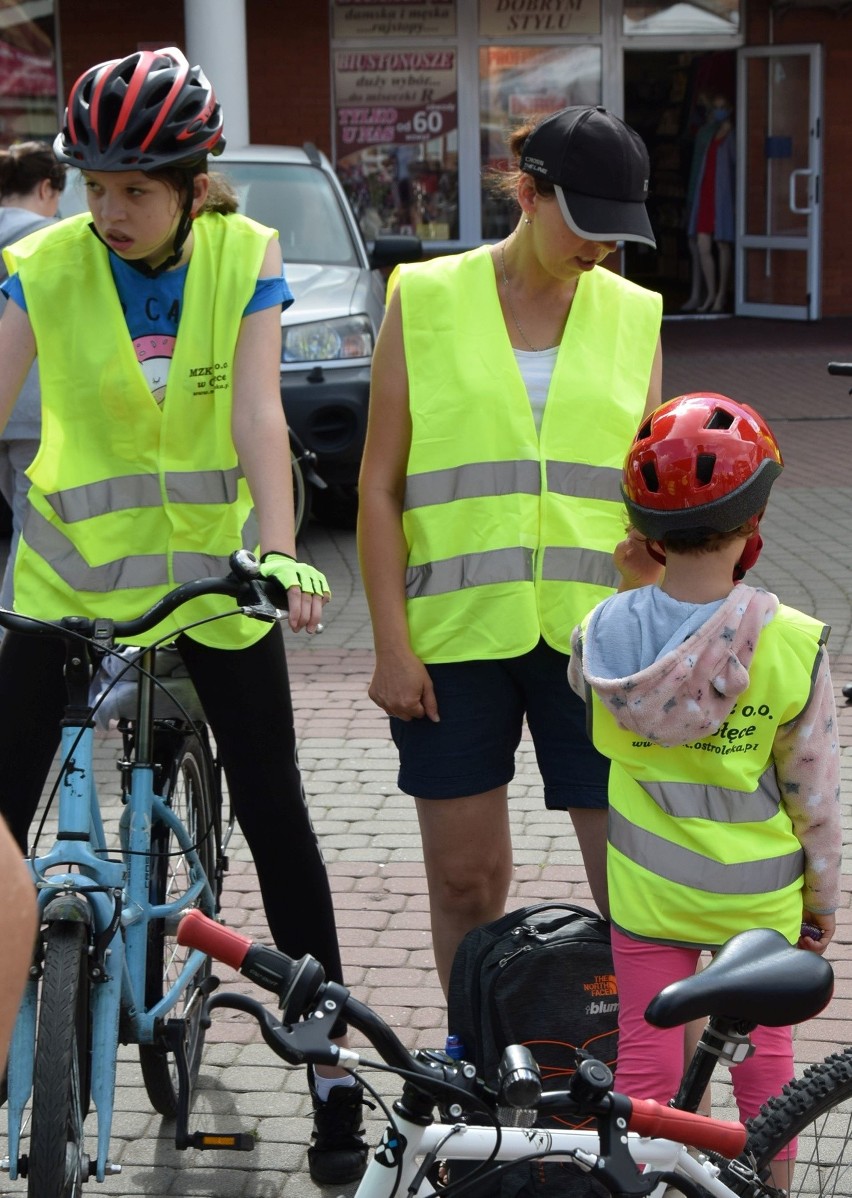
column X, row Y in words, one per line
column 338, row 1153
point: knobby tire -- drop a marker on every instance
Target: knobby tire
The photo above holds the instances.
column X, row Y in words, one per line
column 816, row 1108
column 58, row 1164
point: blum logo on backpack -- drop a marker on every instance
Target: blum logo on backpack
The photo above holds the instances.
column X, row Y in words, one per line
column 604, row 994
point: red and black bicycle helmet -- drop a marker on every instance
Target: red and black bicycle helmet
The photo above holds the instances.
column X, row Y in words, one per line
column 701, row 462
column 143, row 112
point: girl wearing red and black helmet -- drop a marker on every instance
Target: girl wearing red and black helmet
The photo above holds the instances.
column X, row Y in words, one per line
column 156, row 320
column 153, row 114
column 714, row 703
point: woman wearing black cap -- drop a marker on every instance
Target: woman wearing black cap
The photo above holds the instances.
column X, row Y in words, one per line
column 507, row 384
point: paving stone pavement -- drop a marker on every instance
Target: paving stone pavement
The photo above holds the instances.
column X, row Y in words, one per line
column 368, row 830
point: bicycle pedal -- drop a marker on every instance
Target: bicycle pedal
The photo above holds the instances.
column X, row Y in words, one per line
column 230, row 1142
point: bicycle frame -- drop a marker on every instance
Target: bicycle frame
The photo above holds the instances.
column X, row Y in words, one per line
column 112, row 896
column 394, row 1165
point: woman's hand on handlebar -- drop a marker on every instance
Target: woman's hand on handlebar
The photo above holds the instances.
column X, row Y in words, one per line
column 307, row 588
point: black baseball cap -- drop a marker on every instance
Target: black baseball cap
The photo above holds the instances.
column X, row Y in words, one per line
column 599, row 167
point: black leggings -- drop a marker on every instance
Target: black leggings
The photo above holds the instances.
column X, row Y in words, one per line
column 246, row 697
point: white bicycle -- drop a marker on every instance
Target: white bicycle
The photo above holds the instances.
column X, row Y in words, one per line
column 632, row 1148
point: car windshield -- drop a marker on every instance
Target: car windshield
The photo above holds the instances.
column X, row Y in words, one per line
column 300, row 203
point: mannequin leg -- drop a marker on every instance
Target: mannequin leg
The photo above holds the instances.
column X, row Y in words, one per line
column 708, row 268
column 725, row 249
column 695, row 277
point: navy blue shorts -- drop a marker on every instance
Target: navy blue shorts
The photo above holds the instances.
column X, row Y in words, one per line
column 482, row 705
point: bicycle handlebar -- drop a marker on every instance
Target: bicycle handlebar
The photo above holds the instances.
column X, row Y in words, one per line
column 301, row 987
column 840, row 368
column 258, row 597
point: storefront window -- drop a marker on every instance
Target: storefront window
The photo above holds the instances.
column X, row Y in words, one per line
column 28, row 91
column 397, row 139
column 719, row 17
column 519, row 84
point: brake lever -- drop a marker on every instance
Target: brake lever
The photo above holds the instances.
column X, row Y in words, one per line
column 260, row 606
column 297, row 1044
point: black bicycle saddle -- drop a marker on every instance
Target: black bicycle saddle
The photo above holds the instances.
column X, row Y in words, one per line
column 757, row 977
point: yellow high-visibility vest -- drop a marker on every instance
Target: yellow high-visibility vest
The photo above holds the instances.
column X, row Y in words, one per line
column 510, row 533
column 128, row 498
column 700, row 845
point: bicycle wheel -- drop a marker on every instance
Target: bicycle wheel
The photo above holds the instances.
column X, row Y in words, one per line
column 302, row 495
column 817, row 1108
column 58, row 1164
column 188, row 790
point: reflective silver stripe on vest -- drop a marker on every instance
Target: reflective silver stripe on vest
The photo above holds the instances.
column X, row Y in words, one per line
column 469, row 570
column 471, row 482
column 139, row 570
column 522, row 477
column 582, row 481
column 142, row 570
column 685, row 800
column 564, row 564
column 696, row 872
column 143, row 490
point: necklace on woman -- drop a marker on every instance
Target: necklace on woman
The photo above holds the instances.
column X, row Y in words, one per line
column 537, row 349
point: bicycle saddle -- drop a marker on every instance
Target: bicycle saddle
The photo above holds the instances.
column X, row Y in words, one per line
column 757, row 977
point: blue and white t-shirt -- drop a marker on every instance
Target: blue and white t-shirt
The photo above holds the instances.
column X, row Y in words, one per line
column 152, row 309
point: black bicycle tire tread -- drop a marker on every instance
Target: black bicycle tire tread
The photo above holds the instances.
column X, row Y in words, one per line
column 784, row 1116
column 154, row 1062
column 59, row 1004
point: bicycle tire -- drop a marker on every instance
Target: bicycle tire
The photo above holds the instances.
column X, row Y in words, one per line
column 816, row 1108
column 302, row 495
column 58, row 1165
column 189, row 791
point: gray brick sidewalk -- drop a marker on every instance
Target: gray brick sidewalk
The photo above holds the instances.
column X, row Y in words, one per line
column 368, row 828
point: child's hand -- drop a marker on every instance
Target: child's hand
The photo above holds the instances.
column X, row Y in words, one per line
column 634, row 563
column 817, row 931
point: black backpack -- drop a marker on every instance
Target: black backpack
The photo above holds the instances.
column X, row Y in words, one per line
column 540, row 976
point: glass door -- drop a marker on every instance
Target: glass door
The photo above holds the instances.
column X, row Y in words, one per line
column 779, row 182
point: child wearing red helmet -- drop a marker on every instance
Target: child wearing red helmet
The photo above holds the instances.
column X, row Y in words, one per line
column 715, row 705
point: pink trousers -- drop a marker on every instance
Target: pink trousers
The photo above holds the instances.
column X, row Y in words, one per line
column 651, row 1060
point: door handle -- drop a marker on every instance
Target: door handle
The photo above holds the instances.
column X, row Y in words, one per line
column 793, row 206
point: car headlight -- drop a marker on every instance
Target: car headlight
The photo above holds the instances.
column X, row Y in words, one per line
column 328, row 340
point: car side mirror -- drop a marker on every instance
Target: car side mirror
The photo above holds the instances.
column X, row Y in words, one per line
column 393, row 249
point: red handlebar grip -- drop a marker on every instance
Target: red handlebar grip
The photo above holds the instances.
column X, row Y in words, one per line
column 197, row 930
column 649, row 1118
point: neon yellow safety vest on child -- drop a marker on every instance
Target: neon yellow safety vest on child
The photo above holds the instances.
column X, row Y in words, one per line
column 128, row 498
column 699, row 840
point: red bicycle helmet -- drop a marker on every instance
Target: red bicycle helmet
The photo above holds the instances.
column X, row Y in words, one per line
column 143, row 112
column 701, row 462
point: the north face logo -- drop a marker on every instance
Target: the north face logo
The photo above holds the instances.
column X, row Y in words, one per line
column 602, row 984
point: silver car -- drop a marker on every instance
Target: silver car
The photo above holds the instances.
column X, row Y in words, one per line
column 330, row 330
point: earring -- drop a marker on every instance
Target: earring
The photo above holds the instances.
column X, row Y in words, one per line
column 527, row 220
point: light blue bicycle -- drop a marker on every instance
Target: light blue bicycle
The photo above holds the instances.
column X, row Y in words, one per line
column 107, row 968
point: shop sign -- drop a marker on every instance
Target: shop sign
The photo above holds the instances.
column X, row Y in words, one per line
column 503, row 18
column 394, row 97
column 405, row 18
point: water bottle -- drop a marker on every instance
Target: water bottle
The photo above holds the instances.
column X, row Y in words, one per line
column 454, row 1048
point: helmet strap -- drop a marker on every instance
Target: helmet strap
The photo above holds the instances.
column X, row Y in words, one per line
column 749, row 556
